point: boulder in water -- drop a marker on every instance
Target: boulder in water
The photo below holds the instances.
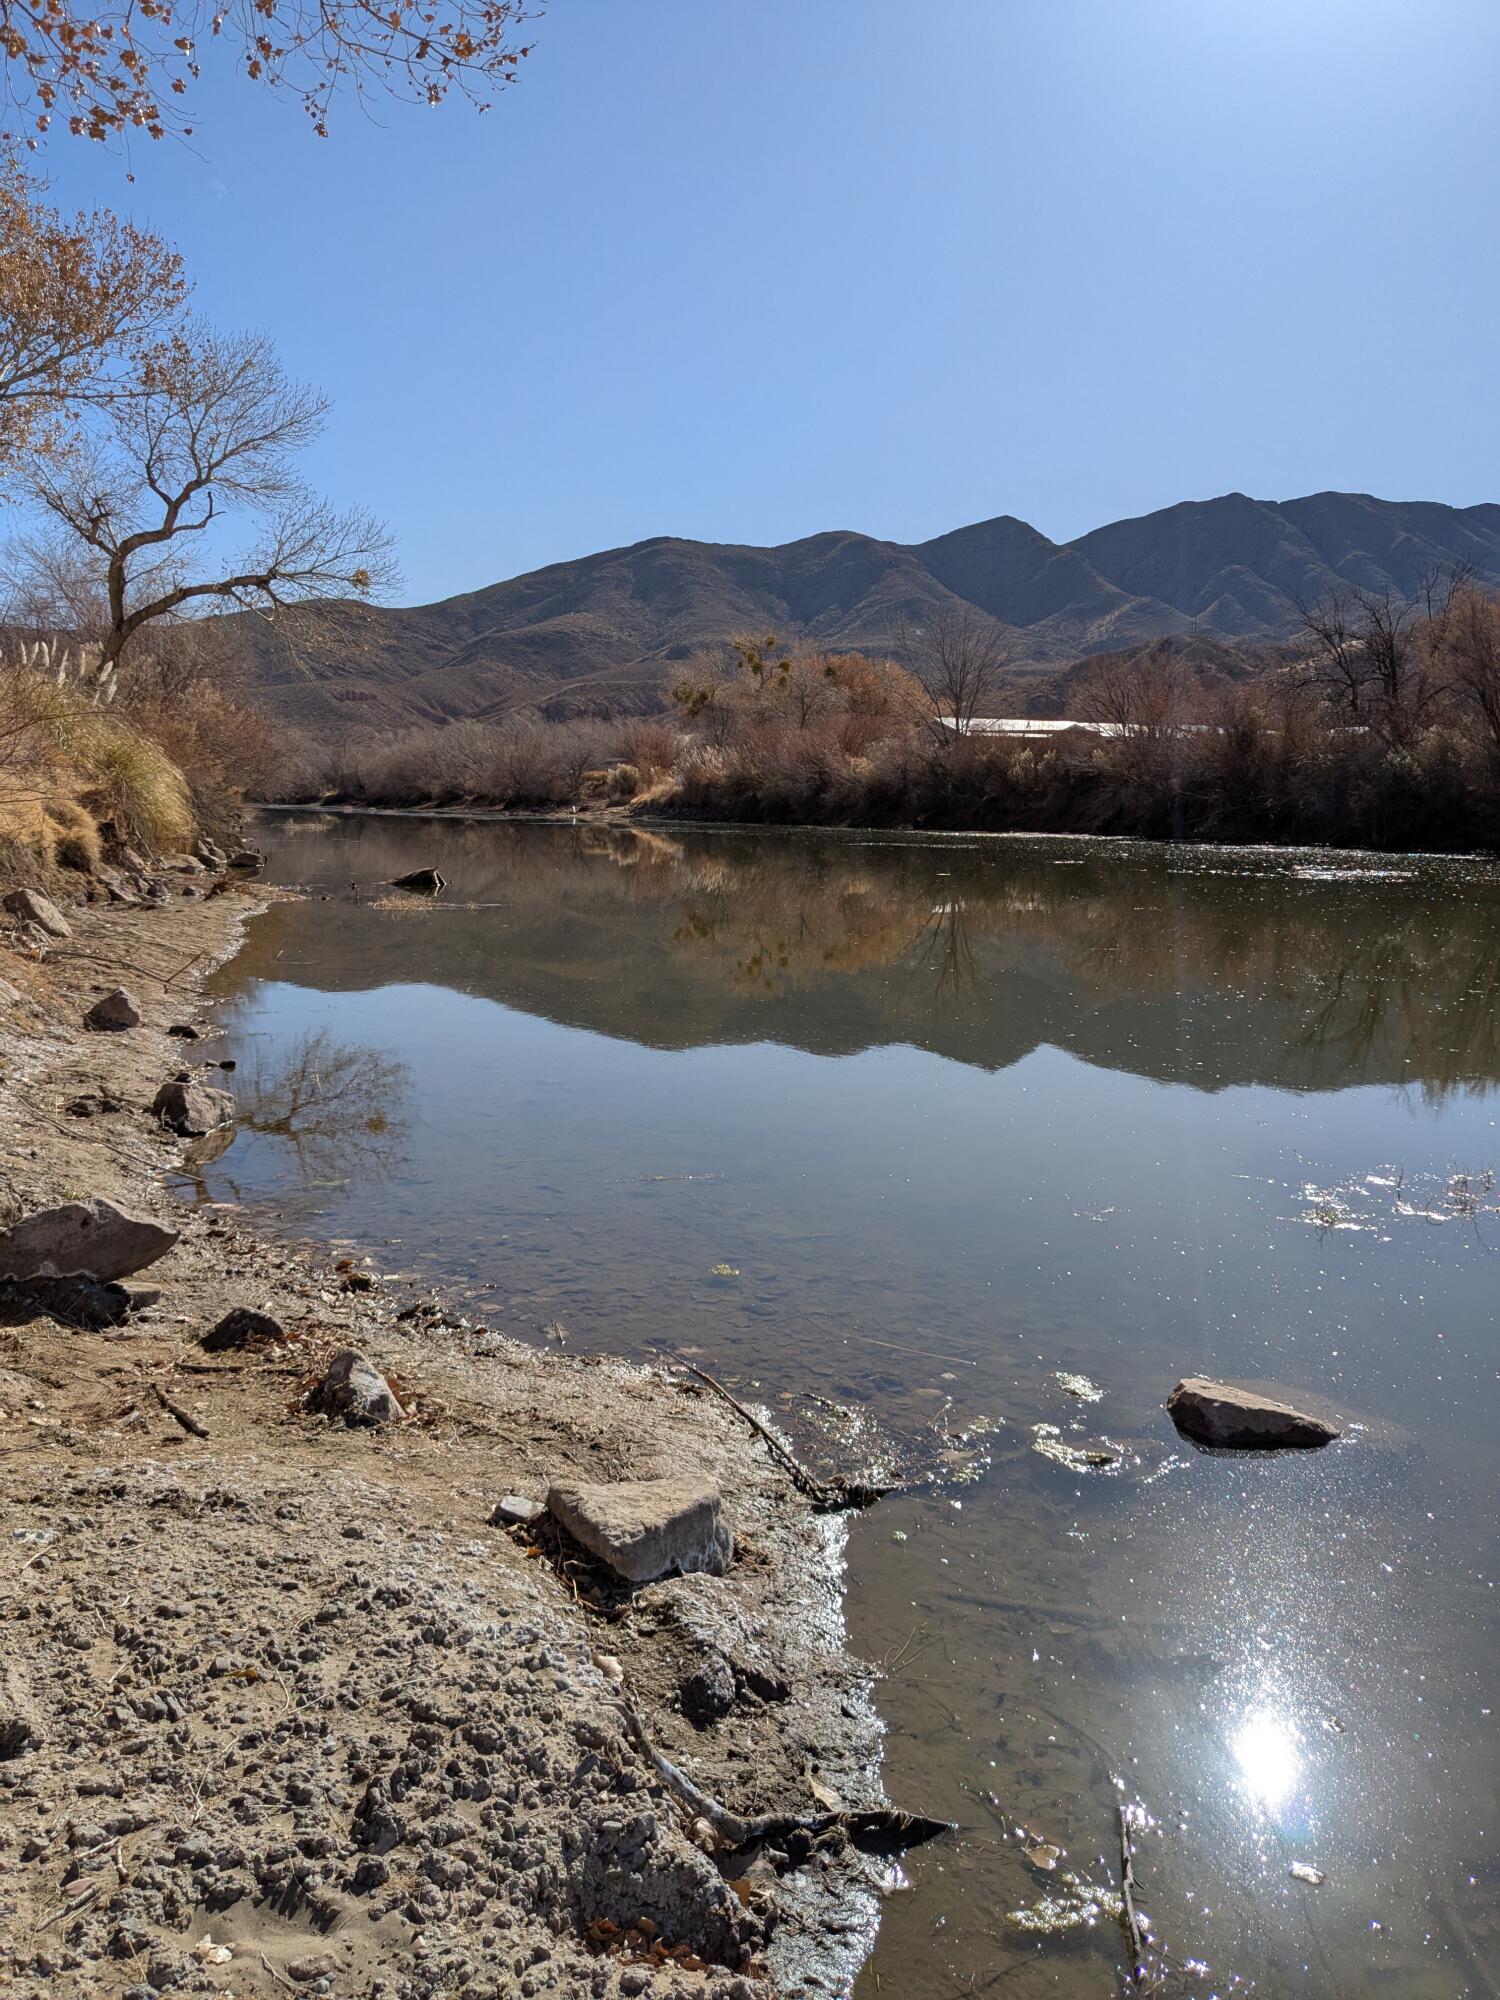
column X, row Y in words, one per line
column 192, row 1109
column 1222, row 1413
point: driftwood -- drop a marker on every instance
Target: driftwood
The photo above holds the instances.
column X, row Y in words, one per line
column 1135, row 1931
column 184, row 1417
column 830, row 1496
column 883, row 1829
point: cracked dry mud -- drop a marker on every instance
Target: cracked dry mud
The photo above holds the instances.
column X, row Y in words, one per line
column 280, row 1709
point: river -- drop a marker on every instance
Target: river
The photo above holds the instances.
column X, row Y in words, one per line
column 928, row 1144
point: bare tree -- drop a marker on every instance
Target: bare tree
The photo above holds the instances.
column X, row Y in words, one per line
column 960, row 658
column 81, row 297
column 1469, row 658
column 151, row 492
column 1373, row 653
column 1145, row 695
column 128, row 65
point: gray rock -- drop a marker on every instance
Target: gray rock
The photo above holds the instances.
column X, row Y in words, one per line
column 32, row 907
column 1222, row 1413
column 82, row 1239
column 243, row 1326
column 426, row 881
column 355, row 1390
column 708, row 1692
column 185, row 864
column 645, row 1528
column 10, row 996
column 513, row 1510
column 116, row 887
column 211, row 855
column 192, row 1109
column 115, row 1011
column 247, row 858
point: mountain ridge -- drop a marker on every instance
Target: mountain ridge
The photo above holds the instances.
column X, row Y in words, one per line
column 601, row 632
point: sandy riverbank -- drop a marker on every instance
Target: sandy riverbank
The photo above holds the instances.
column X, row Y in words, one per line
column 282, row 1710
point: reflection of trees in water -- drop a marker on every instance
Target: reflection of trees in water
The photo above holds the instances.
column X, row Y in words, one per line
column 336, row 1108
column 946, row 946
column 1346, row 980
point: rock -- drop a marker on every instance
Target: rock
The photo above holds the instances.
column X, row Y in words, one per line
column 247, row 858
column 708, row 1692
column 116, row 887
column 32, row 907
column 185, row 864
column 314, row 1965
column 426, row 881
column 10, row 996
column 211, row 855
column 1223, row 1414
column 82, row 1238
column 184, row 1031
column 91, row 1104
column 243, row 1326
column 78, row 1301
column 645, row 1528
column 114, row 1012
column 513, row 1510
column 356, row 1391
column 192, row 1109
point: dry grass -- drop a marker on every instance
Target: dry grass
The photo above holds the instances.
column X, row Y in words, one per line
column 68, row 765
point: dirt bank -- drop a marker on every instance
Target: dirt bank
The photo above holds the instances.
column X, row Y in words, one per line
column 280, row 1709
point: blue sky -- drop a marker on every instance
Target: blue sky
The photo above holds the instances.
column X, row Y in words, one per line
column 749, row 269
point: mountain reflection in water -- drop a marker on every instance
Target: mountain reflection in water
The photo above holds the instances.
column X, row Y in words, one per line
column 908, row 1139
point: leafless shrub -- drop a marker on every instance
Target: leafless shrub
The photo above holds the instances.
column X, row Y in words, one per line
column 959, row 657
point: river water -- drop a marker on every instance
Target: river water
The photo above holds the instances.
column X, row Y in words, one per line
column 923, row 1143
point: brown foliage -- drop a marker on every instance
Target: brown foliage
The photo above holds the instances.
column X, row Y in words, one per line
column 81, row 297
column 1469, row 660
column 126, row 67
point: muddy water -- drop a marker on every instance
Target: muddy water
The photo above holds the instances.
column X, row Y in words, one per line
column 912, row 1131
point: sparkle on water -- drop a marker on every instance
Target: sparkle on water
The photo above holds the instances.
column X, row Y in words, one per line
column 1266, row 1749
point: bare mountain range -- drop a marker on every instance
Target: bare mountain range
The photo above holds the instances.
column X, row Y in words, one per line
column 600, row 634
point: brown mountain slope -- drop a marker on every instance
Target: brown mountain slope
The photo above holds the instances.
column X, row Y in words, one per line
column 600, row 633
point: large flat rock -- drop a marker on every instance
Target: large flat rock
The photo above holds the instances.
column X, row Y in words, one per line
column 32, row 907
column 82, row 1238
column 1223, row 1413
column 646, row 1528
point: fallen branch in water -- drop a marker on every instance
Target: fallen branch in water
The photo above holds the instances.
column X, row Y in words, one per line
column 881, row 1828
column 831, row 1495
column 1134, row 1929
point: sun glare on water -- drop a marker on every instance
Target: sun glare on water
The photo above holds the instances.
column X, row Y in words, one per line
column 1265, row 1749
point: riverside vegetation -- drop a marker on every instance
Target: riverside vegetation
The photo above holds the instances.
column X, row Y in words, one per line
column 1380, row 729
